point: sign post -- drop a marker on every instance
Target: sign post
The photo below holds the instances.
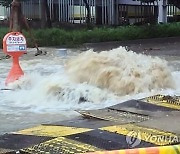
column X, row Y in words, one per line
column 14, row 44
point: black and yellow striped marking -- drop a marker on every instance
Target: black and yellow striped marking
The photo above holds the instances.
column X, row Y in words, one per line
column 108, row 131
column 140, row 108
column 52, row 131
column 154, row 136
column 105, row 138
column 165, row 101
column 61, row 145
column 114, row 115
column 19, row 141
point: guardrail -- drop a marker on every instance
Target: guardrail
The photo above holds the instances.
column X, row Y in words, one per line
column 174, row 149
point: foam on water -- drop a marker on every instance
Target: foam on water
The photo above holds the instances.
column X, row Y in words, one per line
column 120, row 71
column 89, row 81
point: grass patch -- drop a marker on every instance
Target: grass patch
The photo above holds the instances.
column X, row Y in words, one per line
column 60, row 37
column 3, row 32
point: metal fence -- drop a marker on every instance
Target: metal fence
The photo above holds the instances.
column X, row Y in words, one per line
column 71, row 11
column 60, row 10
column 173, row 13
column 137, row 14
column 103, row 12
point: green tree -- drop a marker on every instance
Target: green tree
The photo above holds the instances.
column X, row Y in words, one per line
column 45, row 21
column 45, row 18
column 8, row 2
column 5, row 2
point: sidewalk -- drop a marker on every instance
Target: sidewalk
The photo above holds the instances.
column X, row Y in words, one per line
column 157, row 46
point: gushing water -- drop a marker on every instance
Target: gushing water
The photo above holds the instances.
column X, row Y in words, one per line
column 90, row 80
column 121, row 72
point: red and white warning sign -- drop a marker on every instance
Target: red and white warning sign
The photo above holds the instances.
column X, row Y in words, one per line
column 14, row 42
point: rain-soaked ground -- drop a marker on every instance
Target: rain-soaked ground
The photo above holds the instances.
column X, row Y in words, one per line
column 53, row 88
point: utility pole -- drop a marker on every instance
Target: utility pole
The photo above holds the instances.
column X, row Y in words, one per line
column 162, row 11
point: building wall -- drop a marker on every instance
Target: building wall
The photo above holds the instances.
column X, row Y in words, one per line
column 2, row 11
column 31, row 9
column 129, row 2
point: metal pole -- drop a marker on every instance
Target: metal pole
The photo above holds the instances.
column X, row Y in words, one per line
column 49, row 7
column 102, row 12
column 109, row 12
column 95, row 11
column 59, row 9
column 110, row 15
column 64, row 11
column 105, row 11
column 112, row 11
column 117, row 12
column 33, row 5
column 28, row 10
column 80, row 11
column 31, row 11
column 39, row 9
column 52, row 5
column 70, row 11
column 66, row 3
column 110, row 5
column 90, row 5
column 92, row 11
column 85, row 11
column 67, row 12
column 73, row 10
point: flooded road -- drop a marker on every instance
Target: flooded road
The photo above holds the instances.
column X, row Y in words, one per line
column 53, row 88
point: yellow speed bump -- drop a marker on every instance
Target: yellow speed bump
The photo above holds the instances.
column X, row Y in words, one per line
column 52, row 131
column 150, row 135
column 166, row 101
column 61, row 145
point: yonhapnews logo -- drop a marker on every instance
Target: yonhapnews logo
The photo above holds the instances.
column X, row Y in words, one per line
column 134, row 138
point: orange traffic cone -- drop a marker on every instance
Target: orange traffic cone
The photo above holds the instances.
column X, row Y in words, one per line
column 16, row 71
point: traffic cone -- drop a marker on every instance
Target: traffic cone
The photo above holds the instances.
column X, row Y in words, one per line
column 15, row 72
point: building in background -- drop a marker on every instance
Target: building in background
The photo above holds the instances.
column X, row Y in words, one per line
column 103, row 12
column 3, row 13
